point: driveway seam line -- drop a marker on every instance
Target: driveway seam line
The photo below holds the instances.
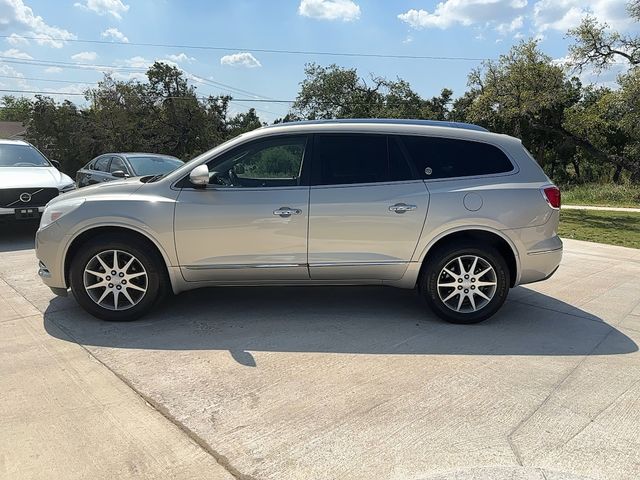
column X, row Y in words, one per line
column 194, row 437
column 550, row 394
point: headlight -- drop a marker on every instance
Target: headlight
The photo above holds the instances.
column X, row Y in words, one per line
column 67, row 188
column 56, row 210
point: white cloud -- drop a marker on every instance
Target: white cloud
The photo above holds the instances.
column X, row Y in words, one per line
column 181, row 57
column 562, row 15
column 18, row 78
column 114, row 34
column 85, row 56
column 15, row 39
column 144, row 63
column 15, row 53
column 52, row 70
column 345, row 10
column 16, row 16
column 464, row 12
column 510, row 27
column 114, row 8
column 240, row 59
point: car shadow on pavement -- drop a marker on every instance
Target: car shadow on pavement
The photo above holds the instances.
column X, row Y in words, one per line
column 351, row 320
column 17, row 235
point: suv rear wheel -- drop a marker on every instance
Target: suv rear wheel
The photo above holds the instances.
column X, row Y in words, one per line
column 117, row 277
column 465, row 282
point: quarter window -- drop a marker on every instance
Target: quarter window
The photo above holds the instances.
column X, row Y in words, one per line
column 351, row 158
column 435, row 157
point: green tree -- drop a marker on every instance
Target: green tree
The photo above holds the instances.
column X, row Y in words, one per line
column 15, row 109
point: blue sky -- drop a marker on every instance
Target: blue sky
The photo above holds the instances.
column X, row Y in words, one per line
column 450, row 28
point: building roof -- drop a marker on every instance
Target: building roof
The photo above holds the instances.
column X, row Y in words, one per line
column 12, row 130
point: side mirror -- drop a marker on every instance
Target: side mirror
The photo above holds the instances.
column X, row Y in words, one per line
column 119, row 174
column 199, row 176
column 55, row 163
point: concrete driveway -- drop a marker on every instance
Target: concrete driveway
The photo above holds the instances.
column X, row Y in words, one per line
column 324, row 383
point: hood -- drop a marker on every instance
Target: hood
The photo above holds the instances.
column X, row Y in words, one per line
column 32, row 177
column 115, row 187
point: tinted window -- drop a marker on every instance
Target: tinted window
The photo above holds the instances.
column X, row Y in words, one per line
column 264, row 163
column 153, row 165
column 349, row 159
column 102, row 164
column 21, row 156
column 117, row 164
column 435, row 157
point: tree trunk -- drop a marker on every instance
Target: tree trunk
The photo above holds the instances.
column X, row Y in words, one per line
column 576, row 168
column 616, row 174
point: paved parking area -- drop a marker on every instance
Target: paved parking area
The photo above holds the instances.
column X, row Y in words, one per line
column 323, row 383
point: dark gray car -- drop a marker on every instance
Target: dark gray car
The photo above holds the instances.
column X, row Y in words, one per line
column 113, row 166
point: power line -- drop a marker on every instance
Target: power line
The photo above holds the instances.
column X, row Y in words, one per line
column 44, row 92
column 262, row 50
column 15, row 77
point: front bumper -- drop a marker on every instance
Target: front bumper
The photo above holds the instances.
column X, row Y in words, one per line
column 50, row 245
column 12, row 211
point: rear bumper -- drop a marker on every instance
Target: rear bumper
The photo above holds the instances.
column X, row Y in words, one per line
column 11, row 211
column 538, row 266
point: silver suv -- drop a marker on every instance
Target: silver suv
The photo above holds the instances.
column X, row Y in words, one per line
column 452, row 209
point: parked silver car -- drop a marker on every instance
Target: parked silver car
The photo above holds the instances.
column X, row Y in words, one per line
column 27, row 180
column 114, row 166
column 458, row 212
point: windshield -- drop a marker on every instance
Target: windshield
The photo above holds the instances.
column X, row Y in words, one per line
column 153, row 165
column 21, row 156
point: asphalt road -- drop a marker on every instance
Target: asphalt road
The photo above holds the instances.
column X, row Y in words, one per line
column 306, row 383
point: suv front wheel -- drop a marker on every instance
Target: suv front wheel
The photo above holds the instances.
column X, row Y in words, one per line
column 465, row 283
column 117, row 277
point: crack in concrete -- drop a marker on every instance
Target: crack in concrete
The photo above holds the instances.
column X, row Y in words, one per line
column 217, row 456
column 555, row 388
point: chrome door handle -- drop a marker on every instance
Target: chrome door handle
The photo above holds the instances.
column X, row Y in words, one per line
column 402, row 207
column 285, row 212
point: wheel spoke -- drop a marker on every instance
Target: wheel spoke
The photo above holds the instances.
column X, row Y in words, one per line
column 125, row 292
column 104, row 265
column 451, row 295
column 103, row 296
column 444, row 285
column 116, row 294
column 102, row 283
column 473, row 302
column 125, row 269
column 462, row 270
column 136, row 275
column 136, row 287
column 485, row 284
column 473, row 265
column 95, row 274
column 480, row 293
column 460, row 303
column 449, row 272
column 484, row 272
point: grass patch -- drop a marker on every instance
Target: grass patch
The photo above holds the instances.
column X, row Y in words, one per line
column 614, row 228
column 602, row 195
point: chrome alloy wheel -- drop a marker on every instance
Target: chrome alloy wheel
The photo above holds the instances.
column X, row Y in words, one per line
column 467, row 284
column 115, row 280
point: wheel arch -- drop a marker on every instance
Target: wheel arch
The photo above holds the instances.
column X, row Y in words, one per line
column 484, row 235
column 90, row 233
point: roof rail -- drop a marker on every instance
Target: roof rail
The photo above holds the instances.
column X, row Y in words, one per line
column 388, row 121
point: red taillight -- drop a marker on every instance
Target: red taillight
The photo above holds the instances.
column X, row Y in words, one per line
column 552, row 194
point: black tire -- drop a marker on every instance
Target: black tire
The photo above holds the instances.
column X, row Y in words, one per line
column 156, row 279
column 442, row 257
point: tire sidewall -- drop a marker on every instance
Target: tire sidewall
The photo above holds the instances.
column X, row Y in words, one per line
column 132, row 247
column 440, row 259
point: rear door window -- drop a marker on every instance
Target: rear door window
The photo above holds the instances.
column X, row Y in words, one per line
column 345, row 159
column 435, row 157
